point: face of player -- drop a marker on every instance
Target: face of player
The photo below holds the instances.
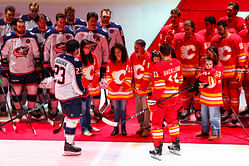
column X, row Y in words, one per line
column 61, row 23
column 208, row 65
column 105, row 18
column 9, row 16
column 139, row 50
column 91, row 24
column 70, row 16
column 230, row 11
column 156, row 59
column 42, row 23
column 210, row 54
column 189, row 31
column 33, row 11
column 87, row 49
column 20, row 28
column 174, row 19
column 118, row 54
column 209, row 27
column 221, row 31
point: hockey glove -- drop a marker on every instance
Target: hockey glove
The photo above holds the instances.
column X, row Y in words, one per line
column 239, row 74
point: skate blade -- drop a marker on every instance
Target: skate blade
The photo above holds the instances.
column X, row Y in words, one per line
column 68, row 153
column 157, row 157
column 175, row 152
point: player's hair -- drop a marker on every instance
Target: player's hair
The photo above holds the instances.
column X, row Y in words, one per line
column 140, row 42
column 19, row 20
column 10, row 8
column 155, row 53
column 69, row 8
column 124, row 56
column 176, row 11
column 215, row 53
column 190, row 23
column 71, row 46
column 210, row 19
column 106, row 10
column 223, row 23
column 91, row 14
column 41, row 15
column 35, row 4
column 165, row 50
column 85, row 58
column 60, row 15
column 235, row 6
column 247, row 18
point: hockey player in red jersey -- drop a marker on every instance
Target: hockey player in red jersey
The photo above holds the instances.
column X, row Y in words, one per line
column 119, row 77
column 188, row 47
column 166, row 79
column 207, row 33
column 244, row 34
column 139, row 60
column 232, row 57
column 168, row 31
column 234, row 23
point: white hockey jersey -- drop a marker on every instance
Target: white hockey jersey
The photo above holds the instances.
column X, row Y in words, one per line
column 20, row 52
column 68, row 73
column 99, row 44
column 31, row 23
column 5, row 29
column 55, row 44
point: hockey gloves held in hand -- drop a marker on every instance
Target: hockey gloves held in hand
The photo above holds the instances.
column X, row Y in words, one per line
column 239, row 74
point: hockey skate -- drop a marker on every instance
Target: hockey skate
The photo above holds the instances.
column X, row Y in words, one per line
column 157, row 152
column 71, row 150
column 175, row 148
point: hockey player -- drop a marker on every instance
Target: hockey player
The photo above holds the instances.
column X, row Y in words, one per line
column 55, row 40
column 19, row 52
column 32, row 18
column 232, row 57
column 207, row 33
column 234, row 23
column 245, row 83
column 90, row 80
column 73, row 23
column 188, row 47
column 139, row 60
column 99, row 46
column 115, row 32
column 7, row 25
column 166, row 79
column 119, row 76
column 168, row 31
column 70, row 92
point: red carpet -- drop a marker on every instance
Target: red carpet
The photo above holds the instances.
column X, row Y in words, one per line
column 187, row 133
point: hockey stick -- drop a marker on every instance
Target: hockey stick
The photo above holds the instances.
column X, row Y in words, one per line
column 8, row 108
column 115, row 124
column 237, row 116
column 55, row 131
column 25, row 112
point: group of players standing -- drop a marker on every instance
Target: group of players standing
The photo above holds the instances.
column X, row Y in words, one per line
column 31, row 48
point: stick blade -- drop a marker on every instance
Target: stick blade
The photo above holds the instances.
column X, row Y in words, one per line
column 110, row 123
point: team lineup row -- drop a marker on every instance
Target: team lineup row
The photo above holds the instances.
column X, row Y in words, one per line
column 23, row 57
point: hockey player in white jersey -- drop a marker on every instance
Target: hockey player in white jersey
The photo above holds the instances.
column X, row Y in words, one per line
column 7, row 25
column 20, row 53
column 99, row 47
column 56, row 39
column 70, row 92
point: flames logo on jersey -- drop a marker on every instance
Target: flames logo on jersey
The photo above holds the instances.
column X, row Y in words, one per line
column 225, row 53
column 21, row 51
column 188, row 52
column 138, row 71
column 60, row 47
column 88, row 72
column 118, row 76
